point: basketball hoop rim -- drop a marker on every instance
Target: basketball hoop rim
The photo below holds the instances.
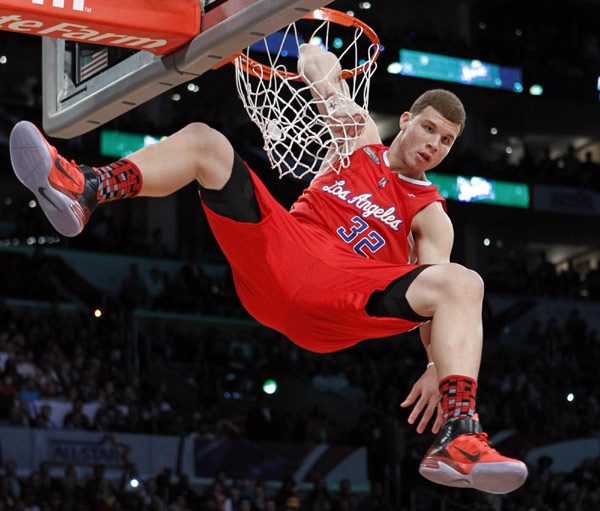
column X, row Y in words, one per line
column 252, row 66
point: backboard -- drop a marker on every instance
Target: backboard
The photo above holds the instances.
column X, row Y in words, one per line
column 85, row 85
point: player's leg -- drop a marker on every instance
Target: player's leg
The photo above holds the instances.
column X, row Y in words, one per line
column 452, row 296
column 198, row 152
column 461, row 454
column 68, row 193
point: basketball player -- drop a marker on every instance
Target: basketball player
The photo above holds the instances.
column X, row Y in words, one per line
column 363, row 253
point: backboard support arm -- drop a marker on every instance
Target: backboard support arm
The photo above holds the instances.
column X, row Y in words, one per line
column 231, row 26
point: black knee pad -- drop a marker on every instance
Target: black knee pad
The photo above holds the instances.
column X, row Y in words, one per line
column 236, row 200
column 392, row 302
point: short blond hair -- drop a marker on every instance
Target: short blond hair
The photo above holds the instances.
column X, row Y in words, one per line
column 445, row 102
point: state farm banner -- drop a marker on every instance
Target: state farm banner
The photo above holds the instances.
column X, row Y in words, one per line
column 154, row 25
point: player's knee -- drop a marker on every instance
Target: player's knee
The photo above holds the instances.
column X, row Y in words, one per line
column 443, row 284
column 210, row 151
column 198, row 130
column 201, row 138
column 463, row 283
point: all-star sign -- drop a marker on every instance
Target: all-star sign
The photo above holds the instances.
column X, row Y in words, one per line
column 158, row 27
column 104, row 451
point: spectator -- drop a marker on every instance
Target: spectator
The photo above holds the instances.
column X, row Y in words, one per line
column 20, row 414
column 108, row 417
column 8, row 395
column 346, row 498
column 76, row 418
column 288, row 489
column 30, row 391
column 44, row 418
column 25, row 365
column 13, row 485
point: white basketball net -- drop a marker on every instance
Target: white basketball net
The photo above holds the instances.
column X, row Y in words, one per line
column 298, row 139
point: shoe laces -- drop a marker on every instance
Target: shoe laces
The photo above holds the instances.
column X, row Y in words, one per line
column 72, row 162
column 476, row 439
column 482, row 438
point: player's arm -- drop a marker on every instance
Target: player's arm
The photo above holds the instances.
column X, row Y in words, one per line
column 321, row 70
column 434, row 236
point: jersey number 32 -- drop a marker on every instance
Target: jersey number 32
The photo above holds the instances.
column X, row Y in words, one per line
column 361, row 241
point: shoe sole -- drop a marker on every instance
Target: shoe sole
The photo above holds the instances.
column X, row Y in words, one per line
column 32, row 164
column 496, row 478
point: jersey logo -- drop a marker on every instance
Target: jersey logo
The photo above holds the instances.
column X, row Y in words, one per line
column 411, row 195
column 383, row 182
column 371, row 154
column 364, row 204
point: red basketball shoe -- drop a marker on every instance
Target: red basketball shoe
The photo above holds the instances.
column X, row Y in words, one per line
column 65, row 191
column 462, row 456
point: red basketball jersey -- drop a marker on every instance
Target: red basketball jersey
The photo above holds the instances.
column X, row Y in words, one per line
column 366, row 206
column 309, row 273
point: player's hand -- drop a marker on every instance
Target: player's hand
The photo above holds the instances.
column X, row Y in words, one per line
column 426, row 393
column 345, row 118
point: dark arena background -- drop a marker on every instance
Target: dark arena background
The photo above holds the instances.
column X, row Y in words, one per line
column 132, row 379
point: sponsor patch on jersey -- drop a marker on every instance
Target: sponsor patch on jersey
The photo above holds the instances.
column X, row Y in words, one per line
column 371, row 154
column 383, row 182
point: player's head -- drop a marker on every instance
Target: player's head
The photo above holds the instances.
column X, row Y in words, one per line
column 445, row 102
column 427, row 132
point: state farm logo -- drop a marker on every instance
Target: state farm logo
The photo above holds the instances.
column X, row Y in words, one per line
column 51, row 24
column 78, row 5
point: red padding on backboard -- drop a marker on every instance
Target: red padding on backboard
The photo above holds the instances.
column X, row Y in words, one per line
column 158, row 26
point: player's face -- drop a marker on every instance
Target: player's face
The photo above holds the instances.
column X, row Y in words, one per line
column 424, row 141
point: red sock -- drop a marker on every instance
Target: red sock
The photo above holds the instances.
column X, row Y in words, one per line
column 119, row 180
column 457, row 397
